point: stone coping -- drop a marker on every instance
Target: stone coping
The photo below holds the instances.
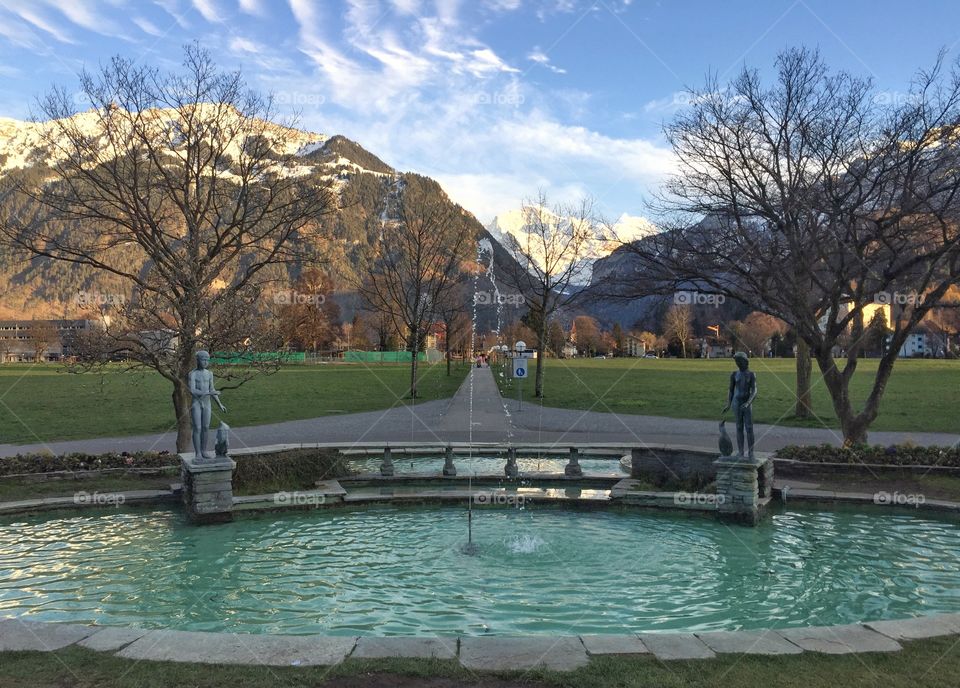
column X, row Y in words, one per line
column 489, row 653
column 331, row 493
column 558, row 448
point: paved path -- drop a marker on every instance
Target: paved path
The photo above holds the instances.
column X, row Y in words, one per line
column 477, row 413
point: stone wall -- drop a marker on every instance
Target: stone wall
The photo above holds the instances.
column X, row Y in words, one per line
column 673, row 466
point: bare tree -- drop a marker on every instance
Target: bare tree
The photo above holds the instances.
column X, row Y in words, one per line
column 810, row 200
column 174, row 183
column 43, row 337
column 551, row 260
column 453, row 312
column 586, row 333
column 307, row 316
column 678, row 325
column 753, row 333
column 422, row 252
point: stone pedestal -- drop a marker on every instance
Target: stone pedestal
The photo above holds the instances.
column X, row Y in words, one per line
column 448, row 467
column 573, row 469
column 744, row 486
column 386, row 467
column 511, row 470
column 208, row 488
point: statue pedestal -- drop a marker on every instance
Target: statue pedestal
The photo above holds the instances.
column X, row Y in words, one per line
column 449, row 468
column 386, row 466
column 573, row 468
column 744, row 488
column 511, row 470
column 208, row 488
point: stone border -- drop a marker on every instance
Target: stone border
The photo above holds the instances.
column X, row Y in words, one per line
column 486, row 653
column 329, row 493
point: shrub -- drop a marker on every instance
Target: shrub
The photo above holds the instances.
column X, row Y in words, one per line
column 49, row 463
column 287, row 470
column 893, row 455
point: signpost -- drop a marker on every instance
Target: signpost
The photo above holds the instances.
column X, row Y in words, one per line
column 520, row 370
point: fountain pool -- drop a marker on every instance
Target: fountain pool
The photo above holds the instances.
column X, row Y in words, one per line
column 387, row 570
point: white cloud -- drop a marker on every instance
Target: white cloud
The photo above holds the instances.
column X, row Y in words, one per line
column 31, row 16
column 254, row 7
column 208, row 10
column 147, row 26
column 543, row 59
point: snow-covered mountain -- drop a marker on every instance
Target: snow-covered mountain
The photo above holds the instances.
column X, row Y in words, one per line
column 44, row 288
column 606, row 238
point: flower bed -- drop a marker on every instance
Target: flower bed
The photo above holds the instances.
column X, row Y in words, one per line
column 23, row 464
column 894, row 455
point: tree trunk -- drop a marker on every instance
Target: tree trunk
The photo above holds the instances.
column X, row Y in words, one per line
column 541, row 347
column 181, row 407
column 414, row 346
column 448, row 350
column 853, row 425
column 804, row 369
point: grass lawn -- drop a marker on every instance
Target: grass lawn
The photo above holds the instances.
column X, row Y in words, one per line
column 42, row 402
column 922, row 664
column 922, row 395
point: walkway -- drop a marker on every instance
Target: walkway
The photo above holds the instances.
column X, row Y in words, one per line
column 477, row 413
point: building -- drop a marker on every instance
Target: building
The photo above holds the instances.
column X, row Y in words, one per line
column 569, row 350
column 915, row 346
column 633, row 347
column 39, row 340
column 870, row 311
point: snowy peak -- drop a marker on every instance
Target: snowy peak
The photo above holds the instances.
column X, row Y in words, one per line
column 627, row 228
column 25, row 144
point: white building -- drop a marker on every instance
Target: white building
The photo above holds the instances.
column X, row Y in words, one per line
column 915, row 346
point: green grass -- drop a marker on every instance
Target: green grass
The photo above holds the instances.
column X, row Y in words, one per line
column 922, row 395
column 922, row 664
column 43, row 403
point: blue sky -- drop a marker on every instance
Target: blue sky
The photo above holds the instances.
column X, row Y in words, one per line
column 494, row 98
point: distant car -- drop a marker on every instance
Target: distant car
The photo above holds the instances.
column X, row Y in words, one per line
column 651, row 355
column 599, row 356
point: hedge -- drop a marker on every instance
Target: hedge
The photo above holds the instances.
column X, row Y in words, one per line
column 893, row 455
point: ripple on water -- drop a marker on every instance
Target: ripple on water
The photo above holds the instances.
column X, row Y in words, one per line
column 390, row 570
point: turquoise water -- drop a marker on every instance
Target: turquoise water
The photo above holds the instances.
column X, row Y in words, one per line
column 487, row 465
column 389, row 570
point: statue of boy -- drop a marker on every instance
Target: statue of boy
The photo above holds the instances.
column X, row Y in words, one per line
column 202, row 390
column 743, row 390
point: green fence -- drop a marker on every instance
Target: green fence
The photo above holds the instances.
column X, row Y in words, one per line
column 241, row 358
column 381, row 356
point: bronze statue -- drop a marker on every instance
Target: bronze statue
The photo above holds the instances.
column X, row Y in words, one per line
column 743, row 390
column 202, row 390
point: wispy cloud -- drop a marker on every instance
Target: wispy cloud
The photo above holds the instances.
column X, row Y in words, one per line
column 208, row 10
column 541, row 58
